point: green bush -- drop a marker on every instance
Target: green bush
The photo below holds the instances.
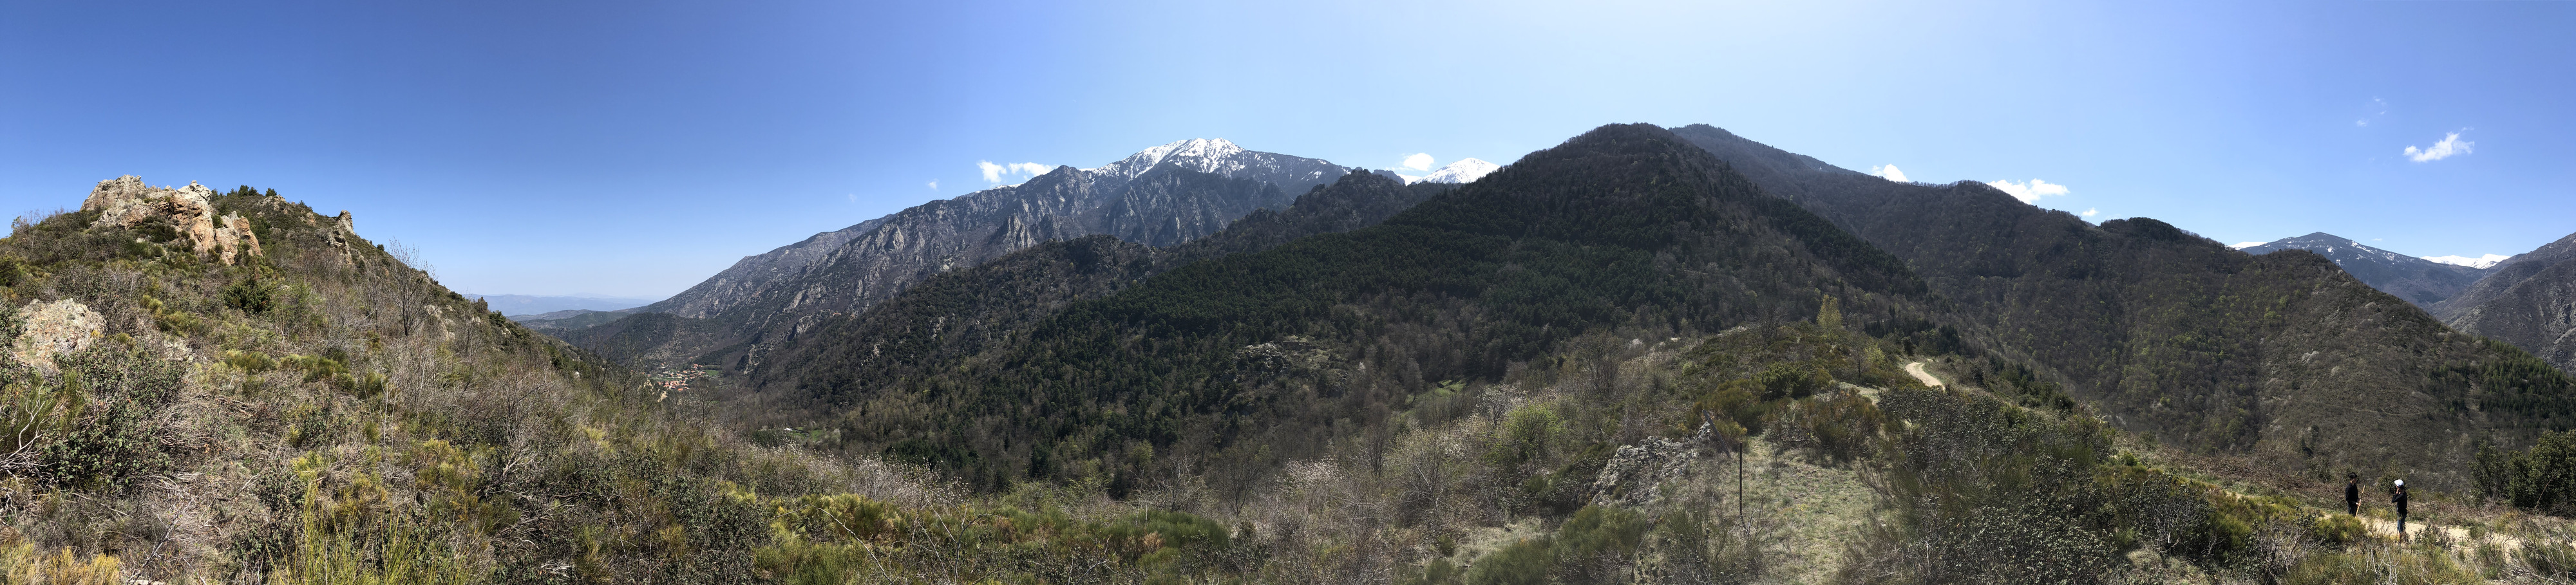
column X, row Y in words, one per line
column 1522, row 563
column 31, row 412
column 249, row 296
column 2338, row 530
column 2542, row 477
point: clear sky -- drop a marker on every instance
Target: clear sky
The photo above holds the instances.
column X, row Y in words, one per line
column 634, row 148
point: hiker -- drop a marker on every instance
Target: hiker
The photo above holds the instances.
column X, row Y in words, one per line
column 2400, row 500
column 2352, row 493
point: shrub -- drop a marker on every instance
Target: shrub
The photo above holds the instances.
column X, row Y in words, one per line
column 249, row 296
column 2338, row 530
column 29, row 412
column 1522, row 563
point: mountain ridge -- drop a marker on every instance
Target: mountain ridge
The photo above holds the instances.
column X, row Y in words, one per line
column 2528, row 300
column 2421, row 281
column 2182, row 338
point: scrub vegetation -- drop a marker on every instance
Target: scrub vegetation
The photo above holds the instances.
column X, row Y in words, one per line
column 1616, row 362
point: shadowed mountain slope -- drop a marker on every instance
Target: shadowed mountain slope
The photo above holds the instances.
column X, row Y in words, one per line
column 2528, row 301
column 2169, row 334
column 964, row 312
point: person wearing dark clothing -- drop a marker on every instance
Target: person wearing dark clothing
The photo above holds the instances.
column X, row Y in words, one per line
column 2352, row 494
column 2400, row 500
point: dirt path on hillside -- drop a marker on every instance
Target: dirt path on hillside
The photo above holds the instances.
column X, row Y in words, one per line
column 2385, row 528
column 1916, row 368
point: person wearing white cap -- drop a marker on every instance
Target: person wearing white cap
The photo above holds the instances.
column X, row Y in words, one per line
column 2400, row 499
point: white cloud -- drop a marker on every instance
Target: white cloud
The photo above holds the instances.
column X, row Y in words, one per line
column 934, row 184
column 854, row 198
column 1888, row 172
column 2029, row 192
column 2090, row 212
column 1420, row 161
column 2450, row 145
column 994, row 173
column 2244, row 245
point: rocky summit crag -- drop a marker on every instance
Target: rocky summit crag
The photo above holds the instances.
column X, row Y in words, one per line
column 184, row 212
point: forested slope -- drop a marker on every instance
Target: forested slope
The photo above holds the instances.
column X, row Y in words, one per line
column 2169, row 334
column 1248, row 360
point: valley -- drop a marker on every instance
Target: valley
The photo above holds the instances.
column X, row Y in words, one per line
column 1642, row 355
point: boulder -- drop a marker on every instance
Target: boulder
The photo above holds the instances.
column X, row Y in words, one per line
column 52, row 329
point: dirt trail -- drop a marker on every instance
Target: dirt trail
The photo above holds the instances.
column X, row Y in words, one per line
column 2385, row 528
column 1916, row 368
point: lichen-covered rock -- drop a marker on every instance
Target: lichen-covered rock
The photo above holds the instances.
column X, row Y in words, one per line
column 56, row 328
column 126, row 201
column 1635, row 475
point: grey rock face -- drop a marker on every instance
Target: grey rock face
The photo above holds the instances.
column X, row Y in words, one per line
column 749, row 275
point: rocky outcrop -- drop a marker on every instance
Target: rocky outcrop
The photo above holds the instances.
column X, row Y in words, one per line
column 126, row 202
column 52, row 329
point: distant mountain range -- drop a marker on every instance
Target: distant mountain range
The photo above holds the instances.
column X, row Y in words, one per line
column 2422, row 281
column 1466, row 170
column 516, row 305
column 1161, row 196
column 996, row 298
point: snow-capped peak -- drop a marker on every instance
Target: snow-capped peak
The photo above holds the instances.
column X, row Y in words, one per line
column 1466, row 170
column 2244, row 245
column 2481, row 262
column 1206, row 155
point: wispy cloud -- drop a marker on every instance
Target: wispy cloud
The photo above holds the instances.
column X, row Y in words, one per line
column 854, row 198
column 2450, row 145
column 1888, row 172
column 1420, row 161
column 2244, row 245
column 2029, row 192
column 934, row 184
column 2090, row 212
column 2378, row 107
column 994, row 173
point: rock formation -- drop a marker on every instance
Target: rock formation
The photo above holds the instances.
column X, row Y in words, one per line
column 51, row 329
column 127, row 202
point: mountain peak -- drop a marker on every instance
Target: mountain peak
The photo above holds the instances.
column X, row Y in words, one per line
column 2482, row 262
column 1466, row 170
column 1206, row 155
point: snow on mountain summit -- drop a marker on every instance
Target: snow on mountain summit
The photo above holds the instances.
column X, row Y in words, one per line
column 2481, row 262
column 1206, row 155
column 1466, row 170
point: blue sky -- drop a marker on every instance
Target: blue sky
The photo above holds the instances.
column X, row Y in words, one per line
column 634, row 148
